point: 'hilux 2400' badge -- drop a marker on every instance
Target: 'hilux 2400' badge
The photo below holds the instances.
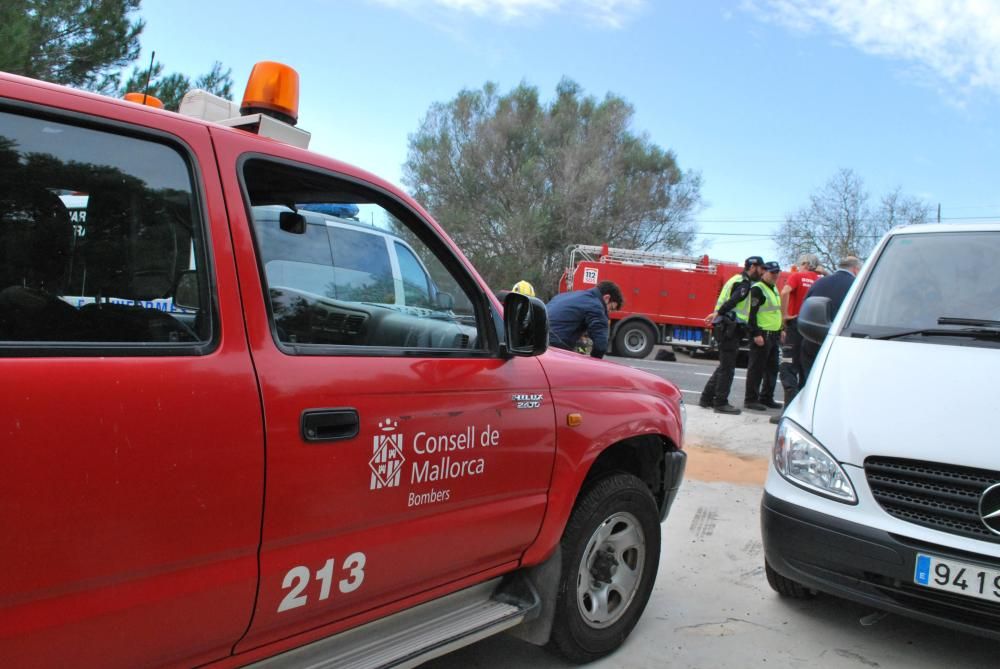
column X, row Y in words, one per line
column 522, row 401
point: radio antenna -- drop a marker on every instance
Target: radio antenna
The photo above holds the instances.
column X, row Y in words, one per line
column 149, row 74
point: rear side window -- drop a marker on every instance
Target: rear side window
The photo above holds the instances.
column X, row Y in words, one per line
column 362, row 272
column 100, row 239
column 416, row 283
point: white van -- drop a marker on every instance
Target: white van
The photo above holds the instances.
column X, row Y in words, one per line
column 884, row 485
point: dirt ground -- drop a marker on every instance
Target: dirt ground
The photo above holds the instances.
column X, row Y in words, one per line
column 727, row 449
column 714, row 465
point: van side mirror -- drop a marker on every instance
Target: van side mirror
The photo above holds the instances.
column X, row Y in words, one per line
column 526, row 325
column 186, row 295
column 292, row 222
column 814, row 319
column 445, row 301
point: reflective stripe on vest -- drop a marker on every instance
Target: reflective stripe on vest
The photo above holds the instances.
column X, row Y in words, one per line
column 742, row 309
column 769, row 313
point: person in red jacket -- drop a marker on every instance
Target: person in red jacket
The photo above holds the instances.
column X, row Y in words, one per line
column 792, row 296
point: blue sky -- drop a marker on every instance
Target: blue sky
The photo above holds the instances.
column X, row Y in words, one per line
column 767, row 99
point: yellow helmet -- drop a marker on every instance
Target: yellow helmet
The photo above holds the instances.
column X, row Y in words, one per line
column 524, row 288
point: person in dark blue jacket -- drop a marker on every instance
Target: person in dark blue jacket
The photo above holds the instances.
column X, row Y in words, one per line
column 835, row 287
column 583, row 311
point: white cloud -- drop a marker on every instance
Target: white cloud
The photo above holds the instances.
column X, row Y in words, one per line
column 956, row 40
column 605, row 13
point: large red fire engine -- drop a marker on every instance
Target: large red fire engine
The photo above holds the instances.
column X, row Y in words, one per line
column 667, row 296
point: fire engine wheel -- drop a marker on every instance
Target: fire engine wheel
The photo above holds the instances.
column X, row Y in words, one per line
column 611, row 549
column 635, row 340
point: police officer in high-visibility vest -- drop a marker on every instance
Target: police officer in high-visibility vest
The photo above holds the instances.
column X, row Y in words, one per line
column 766, row 334
column 729, row 320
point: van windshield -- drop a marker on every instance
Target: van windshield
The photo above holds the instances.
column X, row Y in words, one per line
column 941, row 288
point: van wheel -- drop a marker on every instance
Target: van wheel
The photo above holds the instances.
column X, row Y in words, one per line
column 786, row 587
column 611, row 550
column 635, row 340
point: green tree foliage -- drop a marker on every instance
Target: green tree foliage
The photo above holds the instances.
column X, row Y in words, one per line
column 840, row 220
column 73, row 42
column 171, row 88
column 515, row 181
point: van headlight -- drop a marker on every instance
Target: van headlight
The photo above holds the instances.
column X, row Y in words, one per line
column 800, row 459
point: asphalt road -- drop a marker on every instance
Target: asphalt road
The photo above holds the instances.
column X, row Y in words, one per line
column 711, row 607
column 691, row 375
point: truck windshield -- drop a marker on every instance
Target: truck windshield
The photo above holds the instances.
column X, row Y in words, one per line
column 941, row 288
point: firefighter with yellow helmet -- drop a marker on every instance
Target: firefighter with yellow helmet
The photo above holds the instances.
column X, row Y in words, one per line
column 524, row 288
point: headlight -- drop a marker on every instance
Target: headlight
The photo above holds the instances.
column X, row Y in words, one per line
column 800, row 459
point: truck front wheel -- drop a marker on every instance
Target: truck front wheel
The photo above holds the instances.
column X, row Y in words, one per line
column 611, row 549
column 635, row 340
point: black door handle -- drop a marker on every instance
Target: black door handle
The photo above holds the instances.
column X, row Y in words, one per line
column 329, row 424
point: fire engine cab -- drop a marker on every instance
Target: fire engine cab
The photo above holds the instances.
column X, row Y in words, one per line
column 259, row 410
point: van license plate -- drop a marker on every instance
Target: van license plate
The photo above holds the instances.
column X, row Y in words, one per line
column 958, row 577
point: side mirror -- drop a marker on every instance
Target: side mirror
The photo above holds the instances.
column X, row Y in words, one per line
column 814, row 319
column 186, row 295
column 445, row 301
column 292, row 222
column 526, row 325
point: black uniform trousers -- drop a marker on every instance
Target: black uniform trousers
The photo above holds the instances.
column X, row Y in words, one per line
column 716, row 392
column 762, row 370
column 792, row 375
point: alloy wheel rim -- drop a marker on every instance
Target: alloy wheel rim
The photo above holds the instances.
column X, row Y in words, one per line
column 610, row 570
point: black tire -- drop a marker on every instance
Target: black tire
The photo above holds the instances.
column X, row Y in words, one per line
column 786, row 587
column 635, row 340
column 588, row 627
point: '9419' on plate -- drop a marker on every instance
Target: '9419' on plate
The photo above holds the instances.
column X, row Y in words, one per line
column 958, row 577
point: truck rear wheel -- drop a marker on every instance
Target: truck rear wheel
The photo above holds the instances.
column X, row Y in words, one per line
column 635, row 340
column 611, row 550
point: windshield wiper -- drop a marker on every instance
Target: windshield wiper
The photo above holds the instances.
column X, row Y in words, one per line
column 975, row 322
column 979, row 328
column 976, row 333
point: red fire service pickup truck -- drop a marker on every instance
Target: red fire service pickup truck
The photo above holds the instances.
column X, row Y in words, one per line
column 258, row 409
column 667, row 296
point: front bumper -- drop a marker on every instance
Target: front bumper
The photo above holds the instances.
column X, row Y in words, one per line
column 870, row 566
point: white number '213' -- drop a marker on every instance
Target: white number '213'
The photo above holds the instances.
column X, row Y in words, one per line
column 297, row 579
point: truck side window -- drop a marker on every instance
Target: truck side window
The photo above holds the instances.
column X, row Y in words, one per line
column 362, row 271
column 343, row 268
column 97, row 231
column 416, row 283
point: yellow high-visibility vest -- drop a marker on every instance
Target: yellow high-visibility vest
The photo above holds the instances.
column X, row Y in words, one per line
column 769, row 313
column 742, row 308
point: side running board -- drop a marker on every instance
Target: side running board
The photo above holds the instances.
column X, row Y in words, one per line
column 414, row 636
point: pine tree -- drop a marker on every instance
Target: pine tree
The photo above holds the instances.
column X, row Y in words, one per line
column 79, row 43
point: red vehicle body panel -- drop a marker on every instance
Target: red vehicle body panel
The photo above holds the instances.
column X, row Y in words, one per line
column 131, row 534
column 155, row 506
column 666, row 295
column 306, row 521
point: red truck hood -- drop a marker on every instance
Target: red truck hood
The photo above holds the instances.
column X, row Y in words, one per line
column 567, row 370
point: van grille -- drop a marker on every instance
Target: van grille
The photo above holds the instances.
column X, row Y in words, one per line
column 935, row 495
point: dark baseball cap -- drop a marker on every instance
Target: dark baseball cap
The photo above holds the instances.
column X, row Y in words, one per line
column 753, row 260
column 772, row 266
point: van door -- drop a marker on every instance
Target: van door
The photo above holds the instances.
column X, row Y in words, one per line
column 398, row 459
column 132, row 479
